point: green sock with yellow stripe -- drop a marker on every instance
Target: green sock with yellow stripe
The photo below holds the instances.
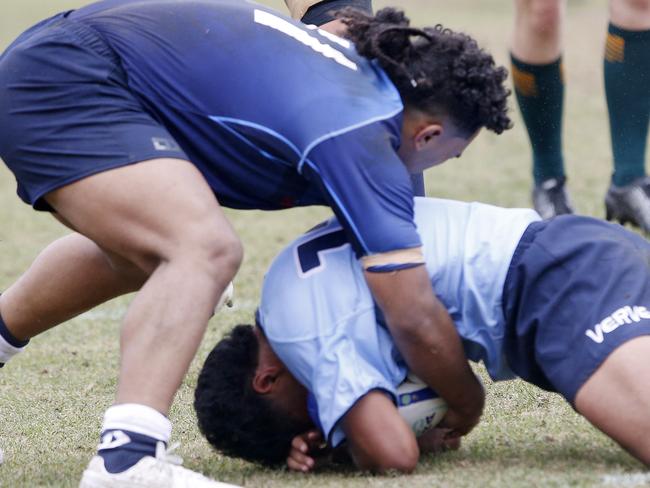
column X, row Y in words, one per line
column 627, row 89
column 540, row 94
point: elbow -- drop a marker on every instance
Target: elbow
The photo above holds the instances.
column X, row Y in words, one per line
column 405, row 463
column 402, row 460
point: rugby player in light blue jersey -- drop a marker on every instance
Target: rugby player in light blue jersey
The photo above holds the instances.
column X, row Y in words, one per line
column 563, row 304
column 135, row 121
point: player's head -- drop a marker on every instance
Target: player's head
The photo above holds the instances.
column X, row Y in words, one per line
column 450, row 87
column 243, row 398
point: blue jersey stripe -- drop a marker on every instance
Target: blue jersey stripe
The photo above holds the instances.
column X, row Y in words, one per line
column 248, row 123
column 341, row 208
column 349, row 128
column 245, row 140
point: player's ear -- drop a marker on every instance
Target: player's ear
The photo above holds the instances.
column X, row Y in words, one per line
column 427, row 135
column 265, row 379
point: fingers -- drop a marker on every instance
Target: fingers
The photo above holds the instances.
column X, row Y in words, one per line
column 458, row 425
column 432, row 440
column 299, row 443
column 451, row 444
column 438, row 440
column 314, row 439
column 299, row 458
column 298, row 461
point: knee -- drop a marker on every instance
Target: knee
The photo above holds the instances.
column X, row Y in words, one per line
column 542, row 18
column 203, row 246
column 224, row 257
column 216, row 252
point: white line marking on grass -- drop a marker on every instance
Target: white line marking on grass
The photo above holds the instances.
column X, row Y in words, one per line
column 627, row 479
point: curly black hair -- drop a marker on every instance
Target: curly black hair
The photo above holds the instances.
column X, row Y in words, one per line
column 231, row 415
column 434, row 69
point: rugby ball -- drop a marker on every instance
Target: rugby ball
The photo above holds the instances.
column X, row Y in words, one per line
column 419, row 405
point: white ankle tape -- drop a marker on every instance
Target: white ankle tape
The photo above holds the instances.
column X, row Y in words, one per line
column 139, row 419
column 7, row 351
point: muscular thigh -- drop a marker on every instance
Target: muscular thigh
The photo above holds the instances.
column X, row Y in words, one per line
column 586, row 293
column 145, row 212
column 616, row 398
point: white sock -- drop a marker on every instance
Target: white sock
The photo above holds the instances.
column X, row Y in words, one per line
column 139, row 419
column 7, row 350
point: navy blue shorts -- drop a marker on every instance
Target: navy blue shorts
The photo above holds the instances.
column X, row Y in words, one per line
column 66, row 111
column 577, row 289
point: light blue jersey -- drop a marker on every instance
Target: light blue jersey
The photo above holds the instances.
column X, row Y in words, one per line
column 320, row 318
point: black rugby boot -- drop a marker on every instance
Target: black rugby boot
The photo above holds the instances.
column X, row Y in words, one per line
column 550, row 198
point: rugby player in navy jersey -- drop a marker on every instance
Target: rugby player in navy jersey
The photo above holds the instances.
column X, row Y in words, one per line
column 323, row 14
column 134, row 122
column 564, row 304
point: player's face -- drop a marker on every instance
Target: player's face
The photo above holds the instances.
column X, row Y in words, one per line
column 290, row 397
column 428, row 141
column 440, row 144
column 273, row 380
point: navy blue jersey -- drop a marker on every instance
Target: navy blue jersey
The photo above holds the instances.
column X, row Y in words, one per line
column 274, row 114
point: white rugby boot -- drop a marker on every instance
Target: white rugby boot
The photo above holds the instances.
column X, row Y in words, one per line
column 162, row 471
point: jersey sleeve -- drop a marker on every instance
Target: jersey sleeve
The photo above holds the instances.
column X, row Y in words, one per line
column 340, row 367
column 357, row 359
column 371, row 192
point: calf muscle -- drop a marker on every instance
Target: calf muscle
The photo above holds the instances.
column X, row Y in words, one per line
column 70, row 276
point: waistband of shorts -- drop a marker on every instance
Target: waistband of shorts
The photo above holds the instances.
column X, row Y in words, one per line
column 527, row 238
column 89, row 36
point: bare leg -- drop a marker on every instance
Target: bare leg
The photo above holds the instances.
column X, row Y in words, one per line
column 161, row 216
column 539, row 88
column 537, row 36
column 70, row 276
column 616, row 399
column 626, row 70
column 630, row 14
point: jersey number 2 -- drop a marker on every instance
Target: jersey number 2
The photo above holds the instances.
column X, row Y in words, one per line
column 310, row 253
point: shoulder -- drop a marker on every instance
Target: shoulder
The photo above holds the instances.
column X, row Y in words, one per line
column 310, row 284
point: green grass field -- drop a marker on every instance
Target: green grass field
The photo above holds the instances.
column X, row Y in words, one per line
column 53, row 396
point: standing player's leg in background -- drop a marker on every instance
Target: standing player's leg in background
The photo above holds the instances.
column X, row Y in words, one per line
column 539, row 86
column 627, row 88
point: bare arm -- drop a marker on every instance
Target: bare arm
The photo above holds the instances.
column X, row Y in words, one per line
column 425, row 335
column 336, row 27
column 378, row 437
